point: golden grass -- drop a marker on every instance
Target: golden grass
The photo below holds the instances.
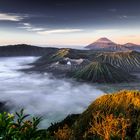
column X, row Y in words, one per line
column 125, row 103
column 119, row 100
column 108, row 126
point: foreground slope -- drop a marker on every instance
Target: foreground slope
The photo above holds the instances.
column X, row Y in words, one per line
column 124, row 104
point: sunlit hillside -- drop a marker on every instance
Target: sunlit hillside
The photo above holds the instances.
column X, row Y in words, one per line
column 123, row 105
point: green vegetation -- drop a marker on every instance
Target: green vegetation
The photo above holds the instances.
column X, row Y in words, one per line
column 111, row 117
column 102, row 73
column 18, row 127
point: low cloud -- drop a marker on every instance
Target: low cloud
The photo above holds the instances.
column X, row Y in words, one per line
column 36, row 29
column 10, row 17
column 59, row 31
column 29, row 27
column 43, row 31
column 26, row 24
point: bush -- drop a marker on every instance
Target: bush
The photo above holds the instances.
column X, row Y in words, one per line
column 63, row 134
column 125, row 103
column 108, row 127
column 18, row 127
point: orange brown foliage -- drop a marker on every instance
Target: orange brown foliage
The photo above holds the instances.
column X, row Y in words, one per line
column 108, row 126
column 63, row 133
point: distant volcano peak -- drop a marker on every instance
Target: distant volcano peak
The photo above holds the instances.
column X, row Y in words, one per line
column 106, row 45
column 104, row 40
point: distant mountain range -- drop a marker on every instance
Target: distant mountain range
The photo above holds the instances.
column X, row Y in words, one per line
column 132, row 46
column 105, row 44
column 102, row 44
column 24, row 50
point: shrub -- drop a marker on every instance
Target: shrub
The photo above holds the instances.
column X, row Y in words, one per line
column 125, row 102
column 63, row 133
column 107, row 127
column 18, row 127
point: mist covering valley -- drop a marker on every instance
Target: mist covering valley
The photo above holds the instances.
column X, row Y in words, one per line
column 42, row 94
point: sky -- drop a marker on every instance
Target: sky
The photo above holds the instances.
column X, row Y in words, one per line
column 68, row 22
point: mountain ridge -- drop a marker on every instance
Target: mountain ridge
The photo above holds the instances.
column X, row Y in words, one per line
column 106, row 44
column 24, row 50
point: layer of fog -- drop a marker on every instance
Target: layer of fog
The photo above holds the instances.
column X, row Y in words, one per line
column 40, row 94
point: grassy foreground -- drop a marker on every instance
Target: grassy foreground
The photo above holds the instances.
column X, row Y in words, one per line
column 111, row 117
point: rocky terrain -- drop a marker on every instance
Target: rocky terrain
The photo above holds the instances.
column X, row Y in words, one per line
column 103, row 73
column 128, row 61
column 91, row 65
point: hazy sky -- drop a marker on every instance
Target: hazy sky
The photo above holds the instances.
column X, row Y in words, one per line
column 68, row 22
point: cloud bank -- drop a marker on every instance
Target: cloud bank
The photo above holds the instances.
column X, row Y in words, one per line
column 58, row 31
column 10, row 17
